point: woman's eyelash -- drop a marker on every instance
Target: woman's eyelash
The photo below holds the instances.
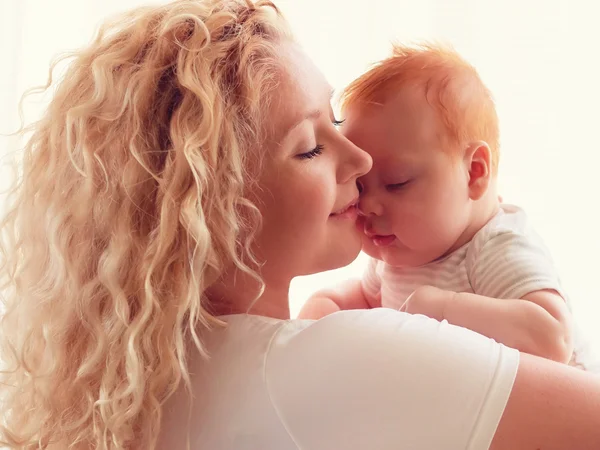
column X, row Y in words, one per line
column 319, row 148
column 313, row 153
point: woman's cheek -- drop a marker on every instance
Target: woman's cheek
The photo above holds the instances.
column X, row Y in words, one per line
column 315, row 193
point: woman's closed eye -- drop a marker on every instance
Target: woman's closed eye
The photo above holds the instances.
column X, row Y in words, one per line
column 312, row 153
column 319, row 148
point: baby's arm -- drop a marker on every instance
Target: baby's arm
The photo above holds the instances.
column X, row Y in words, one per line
column 517, row 301
column 521, row 300
column 353, row 294
column 350, row 295
column 539, row 323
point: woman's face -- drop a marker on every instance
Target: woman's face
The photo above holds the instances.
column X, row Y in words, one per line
column 307, row 187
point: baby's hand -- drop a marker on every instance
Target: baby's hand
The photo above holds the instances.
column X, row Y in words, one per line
column 429, row 301
column 317, row 307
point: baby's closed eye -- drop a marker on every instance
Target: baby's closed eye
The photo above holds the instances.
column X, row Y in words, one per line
column 397, row 186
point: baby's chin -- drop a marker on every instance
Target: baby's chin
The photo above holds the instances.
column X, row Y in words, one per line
column 403, row 259
column 391, row 255
column 370, row 249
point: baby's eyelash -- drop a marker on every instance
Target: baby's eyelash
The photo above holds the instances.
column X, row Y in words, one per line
column 313, row 153
column 397, row 186
column 337, row 123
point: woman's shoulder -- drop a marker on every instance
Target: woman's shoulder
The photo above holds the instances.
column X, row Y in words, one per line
column 381, row 374
column 367, row 333
column 359, row 379
column 353, row 332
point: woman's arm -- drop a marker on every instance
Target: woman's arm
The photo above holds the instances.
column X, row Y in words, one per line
column 551, row 407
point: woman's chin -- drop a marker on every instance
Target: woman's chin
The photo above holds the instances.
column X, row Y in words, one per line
column 335, row 250
column 344, row 250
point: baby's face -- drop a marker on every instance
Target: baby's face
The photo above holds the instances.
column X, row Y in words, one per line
column 415, row 201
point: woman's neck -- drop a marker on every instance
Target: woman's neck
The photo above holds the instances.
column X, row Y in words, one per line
column 237, row 294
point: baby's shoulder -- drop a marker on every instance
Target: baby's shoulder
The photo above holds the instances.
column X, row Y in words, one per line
column 509, row 232
column 510, row 221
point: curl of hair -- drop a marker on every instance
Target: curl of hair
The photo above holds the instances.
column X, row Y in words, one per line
column 131, row 202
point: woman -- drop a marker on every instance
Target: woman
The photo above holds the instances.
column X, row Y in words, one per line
column 187, row 169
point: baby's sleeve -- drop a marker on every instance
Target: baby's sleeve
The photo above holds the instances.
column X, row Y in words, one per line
column 386, row 380
column 371, row 283
column 512, row 264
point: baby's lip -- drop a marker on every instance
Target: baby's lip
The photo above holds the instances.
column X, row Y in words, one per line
column 370, row 232
column 383, row 240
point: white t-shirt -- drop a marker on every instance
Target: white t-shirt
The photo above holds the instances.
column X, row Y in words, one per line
column 506, row 259
column 363, row 379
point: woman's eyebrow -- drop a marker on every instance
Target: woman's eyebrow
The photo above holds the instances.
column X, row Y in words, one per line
column 313, row 115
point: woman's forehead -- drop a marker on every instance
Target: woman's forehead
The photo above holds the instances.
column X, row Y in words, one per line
column 302, row 91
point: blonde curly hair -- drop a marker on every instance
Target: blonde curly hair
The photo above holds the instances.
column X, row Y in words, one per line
column 132, row 200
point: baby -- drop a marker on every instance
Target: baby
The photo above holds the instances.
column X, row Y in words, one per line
column 440, row 241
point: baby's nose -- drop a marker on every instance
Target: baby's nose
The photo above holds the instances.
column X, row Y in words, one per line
column 369, row 205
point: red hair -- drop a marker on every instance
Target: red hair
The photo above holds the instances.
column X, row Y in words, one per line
column 450, row 85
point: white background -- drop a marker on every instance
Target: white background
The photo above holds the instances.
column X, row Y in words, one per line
column 540, row 58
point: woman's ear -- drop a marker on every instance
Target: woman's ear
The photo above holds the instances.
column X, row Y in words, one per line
column 478, row 161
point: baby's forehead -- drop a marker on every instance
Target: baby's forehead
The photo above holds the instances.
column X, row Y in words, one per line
column 402, row 103
column 406, row 116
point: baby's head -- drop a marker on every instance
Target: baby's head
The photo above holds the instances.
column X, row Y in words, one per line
column 430, row 125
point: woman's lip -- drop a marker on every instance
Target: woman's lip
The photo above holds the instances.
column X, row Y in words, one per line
column 351, row 204
column 351, row 212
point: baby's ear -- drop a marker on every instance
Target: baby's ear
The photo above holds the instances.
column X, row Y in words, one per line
column 478, row 160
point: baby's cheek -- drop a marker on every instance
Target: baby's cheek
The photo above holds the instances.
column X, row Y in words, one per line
column 418, row 227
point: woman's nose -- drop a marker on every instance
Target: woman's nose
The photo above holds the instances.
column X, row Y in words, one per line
column 356, row 163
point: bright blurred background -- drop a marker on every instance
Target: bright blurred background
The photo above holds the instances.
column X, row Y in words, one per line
column 539, row 58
